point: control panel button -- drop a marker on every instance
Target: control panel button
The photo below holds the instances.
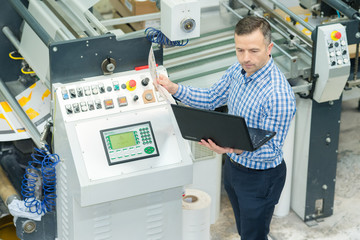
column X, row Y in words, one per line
column 135, row 98
column 109, row 89
column 72, row 93
column 346, row 60
column 344, row 52
column 338, row 53
column 79, row 91
column 116, row 86
column 131, row 85
column 64, row 93
column 101, row 88
column 83, row 106
column 149, row 150
column 331, row 45
column 108, row 103
column 123, row 86
column 91, row 105
column 335, row 35
column 339, row 61
column 76, row 107
column 68, row 109
column 145, row 81
column 149, row 96
column 94, row 89
column 98, row 104
column 87, row 91
column 122, row 101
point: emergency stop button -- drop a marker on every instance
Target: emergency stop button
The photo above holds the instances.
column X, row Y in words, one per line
column 335, row 35
column 131, row 85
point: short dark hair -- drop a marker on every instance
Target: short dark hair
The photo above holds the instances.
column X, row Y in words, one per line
column 249, row 24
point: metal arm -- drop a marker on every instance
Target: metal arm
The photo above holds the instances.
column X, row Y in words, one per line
column 33, row 23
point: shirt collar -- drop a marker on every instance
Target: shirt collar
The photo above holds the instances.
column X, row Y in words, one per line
column 259, row 74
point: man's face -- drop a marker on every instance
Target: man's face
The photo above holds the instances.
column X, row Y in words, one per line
column 252, row 51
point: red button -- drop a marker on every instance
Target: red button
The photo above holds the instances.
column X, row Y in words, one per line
column 337, row 35
column 132, row 83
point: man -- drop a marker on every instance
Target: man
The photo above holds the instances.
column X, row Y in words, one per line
column 255, row 89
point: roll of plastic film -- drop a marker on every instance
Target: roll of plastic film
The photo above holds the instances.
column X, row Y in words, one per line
column 196, row 215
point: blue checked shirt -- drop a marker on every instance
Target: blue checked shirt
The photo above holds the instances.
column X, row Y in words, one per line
column 265, row 99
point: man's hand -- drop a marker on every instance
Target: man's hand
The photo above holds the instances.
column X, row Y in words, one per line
column 213, row 147
column 167, row 84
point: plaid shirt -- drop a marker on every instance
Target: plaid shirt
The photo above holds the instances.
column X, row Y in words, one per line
column 265, row 99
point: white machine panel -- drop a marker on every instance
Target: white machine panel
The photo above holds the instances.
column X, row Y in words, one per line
column 332, row 62
column 121, row 151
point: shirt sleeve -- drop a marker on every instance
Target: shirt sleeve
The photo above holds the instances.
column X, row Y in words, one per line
column 207, row 98
column 277, row 114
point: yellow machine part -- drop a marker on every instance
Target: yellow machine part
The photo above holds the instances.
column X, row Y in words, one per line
column 7, row 228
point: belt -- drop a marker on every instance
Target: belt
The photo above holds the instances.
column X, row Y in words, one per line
column 249, row 169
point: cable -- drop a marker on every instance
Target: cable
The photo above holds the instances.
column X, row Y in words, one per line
column 156, row 36
column 42, row 166
column 15, row 58
column 20, row 58
column 25, row 72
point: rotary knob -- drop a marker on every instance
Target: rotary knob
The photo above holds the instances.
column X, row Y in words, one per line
column 149, row 96
column 145, row 81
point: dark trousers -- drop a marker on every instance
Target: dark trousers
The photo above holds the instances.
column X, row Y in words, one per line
column 253, row 195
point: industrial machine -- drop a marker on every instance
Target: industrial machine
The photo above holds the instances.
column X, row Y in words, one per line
column 121, row 163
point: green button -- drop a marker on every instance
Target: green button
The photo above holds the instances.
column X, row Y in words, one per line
column 149, row 150
column 127, row 155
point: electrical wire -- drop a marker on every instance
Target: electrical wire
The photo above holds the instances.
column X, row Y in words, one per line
column 20, row 58
column 338, row 13
column 26, row 72
column 42, row 166
column 15, row 58
column 156, row 36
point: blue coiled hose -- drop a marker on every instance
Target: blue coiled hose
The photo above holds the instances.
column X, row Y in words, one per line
column 156, row 36
column 41, row 166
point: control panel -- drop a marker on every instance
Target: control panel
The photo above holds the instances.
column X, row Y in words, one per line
column 332, row 62
column 129, row 143
column 338, row 48
column 107, row 94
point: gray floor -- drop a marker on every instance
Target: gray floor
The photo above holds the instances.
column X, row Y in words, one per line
column 344, row 224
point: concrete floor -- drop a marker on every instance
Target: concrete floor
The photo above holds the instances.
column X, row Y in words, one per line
column 344, row 224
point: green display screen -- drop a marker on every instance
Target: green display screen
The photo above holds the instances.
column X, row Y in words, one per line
column 122, row 140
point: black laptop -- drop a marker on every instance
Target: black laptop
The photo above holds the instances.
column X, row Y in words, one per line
column 224, row 129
